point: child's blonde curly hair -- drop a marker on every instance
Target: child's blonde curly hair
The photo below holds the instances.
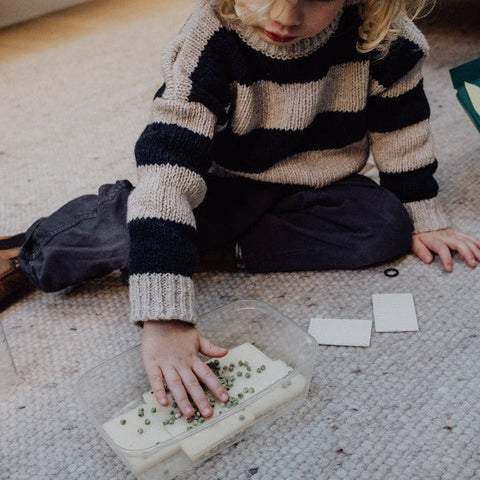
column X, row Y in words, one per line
column 375, row 32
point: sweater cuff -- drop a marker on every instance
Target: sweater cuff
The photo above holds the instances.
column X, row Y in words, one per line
column 162, row 296
column 427, row 215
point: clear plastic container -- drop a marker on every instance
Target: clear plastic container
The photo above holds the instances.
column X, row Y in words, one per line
column 8, row 373
column 117, row 386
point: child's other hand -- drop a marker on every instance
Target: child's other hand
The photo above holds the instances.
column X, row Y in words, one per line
column 170, row 356
column 442, row 242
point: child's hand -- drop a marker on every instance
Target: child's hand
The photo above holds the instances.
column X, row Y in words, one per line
column 170, row 356
column 442, row 242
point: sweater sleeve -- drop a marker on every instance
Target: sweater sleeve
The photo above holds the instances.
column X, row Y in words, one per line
column 173, row 154
column 398, row 123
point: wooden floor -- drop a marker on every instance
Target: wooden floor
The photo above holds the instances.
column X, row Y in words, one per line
column 54, row 28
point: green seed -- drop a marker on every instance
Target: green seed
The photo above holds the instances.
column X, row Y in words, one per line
column 239, row 374
column 262, row 367
column 247, row 375
column 189, row 427
column 141, row 413
column 251, row 390
column 140, row 431
column 259, row 370
column 240, row 395
column 241, row 417
column 201, row 420
column 123, row 421
column 153, row 410
column 147, row 421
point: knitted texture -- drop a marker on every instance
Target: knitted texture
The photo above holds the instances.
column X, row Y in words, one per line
column 405, row 408
column 308, row 113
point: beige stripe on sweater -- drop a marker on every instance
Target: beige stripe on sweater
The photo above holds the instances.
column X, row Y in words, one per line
column 294, row 106
column 166, row 191
column 313, row 168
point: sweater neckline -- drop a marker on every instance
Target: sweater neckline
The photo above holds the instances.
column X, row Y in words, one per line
column 301, row 48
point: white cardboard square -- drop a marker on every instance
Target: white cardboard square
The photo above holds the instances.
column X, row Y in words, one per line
column 336, row 331
column 394, row 312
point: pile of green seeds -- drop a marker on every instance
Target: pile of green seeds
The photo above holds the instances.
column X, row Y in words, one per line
column 227, row 375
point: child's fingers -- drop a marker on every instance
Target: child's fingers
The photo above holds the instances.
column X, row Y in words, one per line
column 468, row 251
column 474, row 249
column 209, row 349
column 206, row 375
column 469, row 238
column 155, row 378
column 196, row 392
column 443, row 251
column 421, row 251
column 177, row 389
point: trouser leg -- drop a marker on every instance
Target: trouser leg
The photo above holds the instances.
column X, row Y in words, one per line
column 350, row 224
column 232, row 206
column 88, row 236
column 84, row 239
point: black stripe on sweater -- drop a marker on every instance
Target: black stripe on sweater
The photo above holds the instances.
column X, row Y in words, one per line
column 246, row 65
column 402, row 57
column 161, row 246
column 211, row 77
column 412, row 186
column 258, row 150
column 162, row 143
column 389, row 114
column 159, row 92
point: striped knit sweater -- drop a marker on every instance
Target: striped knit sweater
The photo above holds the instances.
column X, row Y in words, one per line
column 309, row 113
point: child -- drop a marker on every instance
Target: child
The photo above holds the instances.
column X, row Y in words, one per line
column 269, row 110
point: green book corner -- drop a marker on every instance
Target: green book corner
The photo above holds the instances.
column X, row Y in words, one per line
column 466, row 80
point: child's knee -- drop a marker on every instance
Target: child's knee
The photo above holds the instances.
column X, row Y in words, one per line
column 391, row 235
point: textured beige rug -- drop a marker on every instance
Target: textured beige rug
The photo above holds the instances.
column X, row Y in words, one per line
column 407, row 407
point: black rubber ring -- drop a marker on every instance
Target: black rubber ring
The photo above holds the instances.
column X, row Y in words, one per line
column 391, row 272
